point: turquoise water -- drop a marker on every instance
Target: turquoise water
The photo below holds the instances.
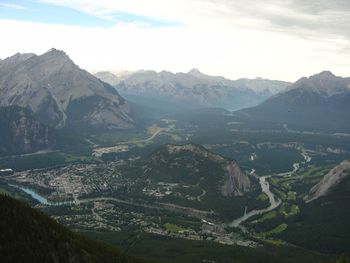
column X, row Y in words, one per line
column 42, row 200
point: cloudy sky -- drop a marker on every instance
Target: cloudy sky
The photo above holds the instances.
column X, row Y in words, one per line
column 277, row 39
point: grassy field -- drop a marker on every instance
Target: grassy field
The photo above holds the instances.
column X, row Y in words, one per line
column 174, row 228
column 277, row 230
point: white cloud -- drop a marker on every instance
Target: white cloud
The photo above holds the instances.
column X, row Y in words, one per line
column 295, row 16
column 12, row 6
column 219, row 37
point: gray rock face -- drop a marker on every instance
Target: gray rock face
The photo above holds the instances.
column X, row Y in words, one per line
column 60, row 93
column 15, row 59
column 20, row 132
column 236, row 183
column 330, row 180
column 199, row 89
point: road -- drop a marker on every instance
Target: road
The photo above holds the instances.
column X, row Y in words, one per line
column 199, row 197
column 121, row 145
column 159, row 206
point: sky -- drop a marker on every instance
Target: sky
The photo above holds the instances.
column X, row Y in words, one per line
column 275, row 39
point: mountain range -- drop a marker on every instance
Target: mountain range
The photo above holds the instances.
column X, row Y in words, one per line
column 194, row 88
column 57, row 94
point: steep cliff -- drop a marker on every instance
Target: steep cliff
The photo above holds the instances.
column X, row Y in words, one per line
column 235, row 182
column 20, row 132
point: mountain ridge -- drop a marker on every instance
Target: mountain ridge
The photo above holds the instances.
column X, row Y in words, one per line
column 196, row 88
column 320, row 102
column 330, row 180
column 50, row 83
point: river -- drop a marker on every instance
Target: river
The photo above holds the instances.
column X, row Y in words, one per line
column 34, row 195
column 158, row 206
column 41, row 199
column 265, row 187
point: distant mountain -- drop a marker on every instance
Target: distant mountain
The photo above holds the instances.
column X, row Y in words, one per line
column 320, row 102
column 28, row 235
column 20, row 132
column 335, row 176
column 261, row 86
column 107, row 77
column 60, row 93
column 195, row 88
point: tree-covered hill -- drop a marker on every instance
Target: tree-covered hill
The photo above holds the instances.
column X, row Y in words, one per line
column 28, row 235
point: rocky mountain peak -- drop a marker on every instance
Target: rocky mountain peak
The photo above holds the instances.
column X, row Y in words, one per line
column 325, row 84
column 195, row 72
column 55, row 52
column 56, row 89
column 16, row 58
column 323, row 75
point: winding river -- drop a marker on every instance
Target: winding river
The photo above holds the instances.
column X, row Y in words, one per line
column 265, row 187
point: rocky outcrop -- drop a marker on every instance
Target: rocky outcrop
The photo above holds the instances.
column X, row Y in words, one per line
column 20, row 132
column 330, row 180
column 236, row 182
column 59, row 93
